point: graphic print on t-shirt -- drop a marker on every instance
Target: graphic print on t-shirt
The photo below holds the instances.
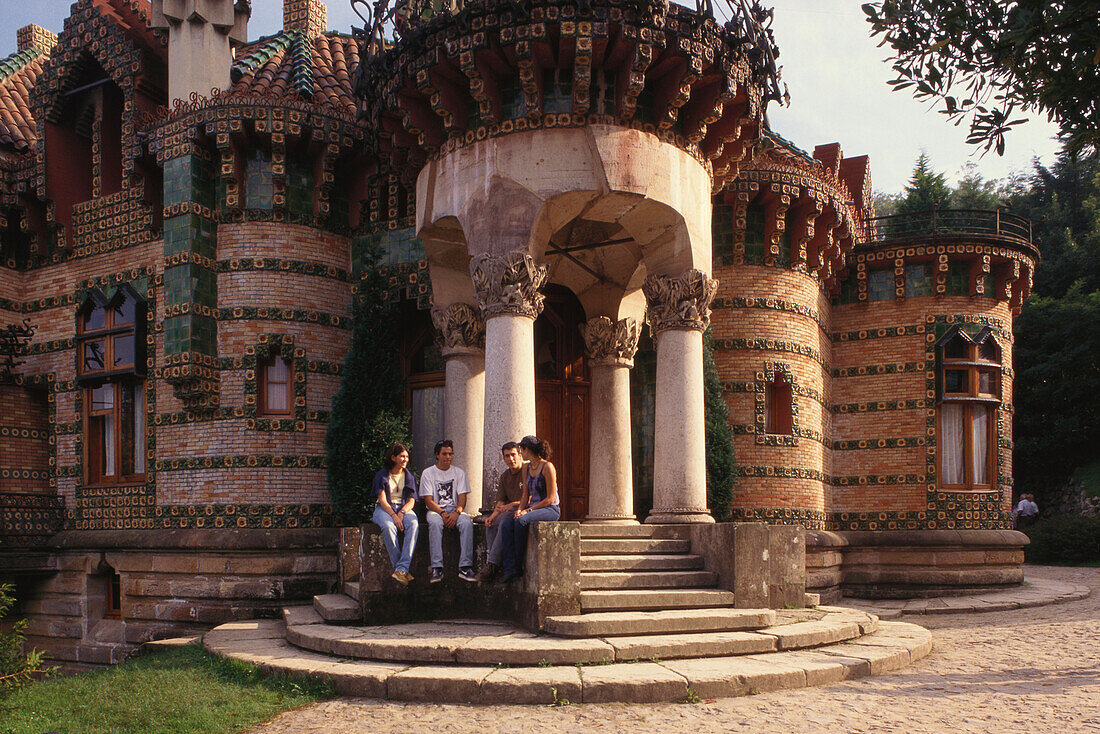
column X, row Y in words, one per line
column 446, row 492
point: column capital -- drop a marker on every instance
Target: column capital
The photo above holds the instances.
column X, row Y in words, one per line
column 611, row 343
column 462, row 329
column 508, row 284
column 679, row 301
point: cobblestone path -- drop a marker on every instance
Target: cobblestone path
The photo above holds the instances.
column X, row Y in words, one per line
column 1027, row 670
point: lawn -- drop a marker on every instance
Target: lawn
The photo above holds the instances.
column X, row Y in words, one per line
column 174, row 691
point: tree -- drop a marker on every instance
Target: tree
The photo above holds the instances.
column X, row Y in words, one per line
column 17, row 668
column 925, row 190
column 366, row 411
column 974, row 192
column 987, row 60
column 721, row 462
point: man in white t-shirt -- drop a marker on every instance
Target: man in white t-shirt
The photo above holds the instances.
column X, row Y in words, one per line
column 1026, row 511
column 444, row 487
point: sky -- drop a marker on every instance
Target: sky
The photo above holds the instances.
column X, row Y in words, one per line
column 834, row 71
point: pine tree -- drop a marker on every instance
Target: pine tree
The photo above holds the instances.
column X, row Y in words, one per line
column 926, row 190
column 721, row 460
column 366, row 411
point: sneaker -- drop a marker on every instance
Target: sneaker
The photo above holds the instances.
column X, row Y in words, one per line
column 488, row 574
column 507, row 579
column 401, row 577
column 437, row 575
column 466, row 573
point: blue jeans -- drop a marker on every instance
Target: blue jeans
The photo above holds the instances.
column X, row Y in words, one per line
column 465, row 537
column 514, row 537
column 400, row 558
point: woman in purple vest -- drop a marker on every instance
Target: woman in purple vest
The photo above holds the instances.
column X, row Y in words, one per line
column 538, row 503
column 394, row 491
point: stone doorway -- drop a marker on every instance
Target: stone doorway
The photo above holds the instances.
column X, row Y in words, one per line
column 562, row 395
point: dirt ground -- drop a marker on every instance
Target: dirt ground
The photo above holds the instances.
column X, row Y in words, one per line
column 1028, row 670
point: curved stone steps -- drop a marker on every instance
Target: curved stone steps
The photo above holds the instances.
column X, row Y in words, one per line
column 641, row 562
column 628, row 600
column 633, row 546
column 489, row 643
column 592, row 580
column 679, row 621
column 263, row 643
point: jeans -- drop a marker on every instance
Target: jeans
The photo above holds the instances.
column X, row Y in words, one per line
column 400, row 558
column 465, row 536
column 514, row 543
column 493, row 536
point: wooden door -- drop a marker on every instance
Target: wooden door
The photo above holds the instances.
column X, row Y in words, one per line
column 561, row 397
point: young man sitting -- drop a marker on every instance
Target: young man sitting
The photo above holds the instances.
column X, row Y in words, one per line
column 509, row 492
column 444, row 487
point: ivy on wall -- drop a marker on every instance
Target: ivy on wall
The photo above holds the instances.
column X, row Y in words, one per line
column 721, row 460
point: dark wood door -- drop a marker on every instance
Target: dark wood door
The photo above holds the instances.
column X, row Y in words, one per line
column 561, row 397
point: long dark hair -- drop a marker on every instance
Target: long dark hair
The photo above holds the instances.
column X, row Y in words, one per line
column 540, row 446
column 394, row 450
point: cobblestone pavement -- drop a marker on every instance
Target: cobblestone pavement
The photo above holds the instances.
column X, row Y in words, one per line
column 1026, row 670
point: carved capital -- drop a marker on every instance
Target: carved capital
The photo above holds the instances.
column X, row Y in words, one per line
column 508, row 284
column 679, row 302
column 461, row 327
column 610, row 342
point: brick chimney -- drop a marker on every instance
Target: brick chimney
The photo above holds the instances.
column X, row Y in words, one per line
column 308, row 16
column 35, row 36
column 200, row 36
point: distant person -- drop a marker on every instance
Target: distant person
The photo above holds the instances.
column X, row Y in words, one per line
column 509, row 493
column 538, row 503
column 444, row 489
column 394, row 491
column 1026, row 512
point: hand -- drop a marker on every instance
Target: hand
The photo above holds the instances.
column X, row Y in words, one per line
column 450, row 519
column 521, row 513
column 399, row 520
column 489, row 520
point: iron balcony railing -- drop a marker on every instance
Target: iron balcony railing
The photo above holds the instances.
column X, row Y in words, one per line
column 953, row 223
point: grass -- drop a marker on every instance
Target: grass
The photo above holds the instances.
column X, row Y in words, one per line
column 170, row 692
column 1088, row 477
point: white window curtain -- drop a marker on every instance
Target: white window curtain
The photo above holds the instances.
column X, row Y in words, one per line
column 277, row 374
column 139, row 428
column 979, row 441
column 428, row 413
column 951, row 434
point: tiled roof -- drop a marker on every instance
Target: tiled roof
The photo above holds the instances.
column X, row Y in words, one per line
column 18, row 73
column 288, row 64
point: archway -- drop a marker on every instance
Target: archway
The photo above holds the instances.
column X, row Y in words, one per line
column 562, row 395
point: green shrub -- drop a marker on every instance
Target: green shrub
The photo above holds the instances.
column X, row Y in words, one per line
column 1064, row 539
column 17, row 667
column 721, row 461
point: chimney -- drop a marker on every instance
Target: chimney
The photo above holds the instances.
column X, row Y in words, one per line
column 35, row 36
column 200, row 36
column 308, row 16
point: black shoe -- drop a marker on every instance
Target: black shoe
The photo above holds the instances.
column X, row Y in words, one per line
column 437, row 575
column 467, row 574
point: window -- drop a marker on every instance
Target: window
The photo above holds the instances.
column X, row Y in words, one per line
column 111, row 335
column 557, row 90
column 958, row 279
column 513, row 103
column 969, row 377
column 114, row 421
column 113, row 607
column 778, row 404
column 918, row 280
column 754, row 234
column 603, row 92
column 722, row 229
column 259, row 183
column 276, row 376
column 880, row 285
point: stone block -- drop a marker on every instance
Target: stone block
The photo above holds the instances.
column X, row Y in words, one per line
column 751, row 556
column 348, row 553
column 532, row 686
column 881, row 659
column 713, row 644
column 632, row 683
column 368, row 680
column 552, row 582
column 715, row 543
column 787, row 566
column 437, row 684
column 527, row 649
column 811, row 634
column 737, row 676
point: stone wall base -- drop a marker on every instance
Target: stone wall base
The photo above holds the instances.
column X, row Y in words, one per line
column 173, row 583
column 909, row 564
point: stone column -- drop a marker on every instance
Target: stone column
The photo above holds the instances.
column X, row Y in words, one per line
column 611, row 346
column 678, row 313
column 507, row 288
column 463, row 333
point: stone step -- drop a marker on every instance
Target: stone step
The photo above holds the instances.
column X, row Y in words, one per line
column 633, row 531
column 646, row 562
column 336, row 608
column 351, row 589
column 653, row 599
column 261, row 643
column 633, row 546
column 294, row 616
column 674, row 621
column 648, row 579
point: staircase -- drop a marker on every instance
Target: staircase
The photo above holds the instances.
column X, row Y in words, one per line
column 643, row 579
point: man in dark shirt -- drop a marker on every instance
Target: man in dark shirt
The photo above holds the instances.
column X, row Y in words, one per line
column 509, row 492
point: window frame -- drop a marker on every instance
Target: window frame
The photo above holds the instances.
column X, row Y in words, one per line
column 110, row 333
column 263, row 410
column 777, row 413
column 113, row 414
column 970, row 400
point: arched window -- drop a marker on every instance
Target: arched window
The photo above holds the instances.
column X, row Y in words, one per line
column 778, row 404
column 110, row 360
column 969, row 387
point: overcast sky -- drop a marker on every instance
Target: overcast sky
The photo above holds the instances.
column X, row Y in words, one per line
column 835, row 73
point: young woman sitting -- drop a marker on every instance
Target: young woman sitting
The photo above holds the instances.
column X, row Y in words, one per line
column 538, row 503
column 394, row 491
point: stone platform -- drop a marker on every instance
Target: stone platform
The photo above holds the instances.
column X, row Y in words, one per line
column 1033, row 592
column 463, row 661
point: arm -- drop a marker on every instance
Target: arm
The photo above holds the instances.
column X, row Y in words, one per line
column 521, row 507
column 383, row 501
column 551, row 475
